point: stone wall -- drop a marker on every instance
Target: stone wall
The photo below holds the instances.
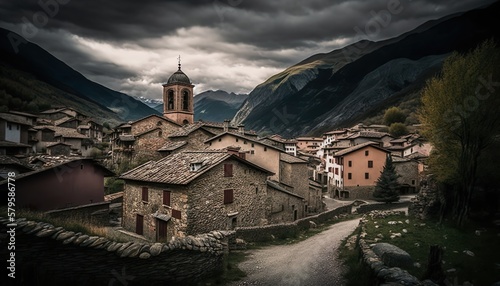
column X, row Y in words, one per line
column 381, row 273
column 97, row 213
column 285, row 230
column 381, row 206
column 427, row 203
column 360, row 193
column 281, row 206
column 48, row 255
column 195, row 140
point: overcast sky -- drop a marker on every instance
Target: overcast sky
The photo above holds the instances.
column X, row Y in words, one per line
column 132, row 46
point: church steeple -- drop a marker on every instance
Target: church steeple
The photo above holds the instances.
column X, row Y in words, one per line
column 178, row 97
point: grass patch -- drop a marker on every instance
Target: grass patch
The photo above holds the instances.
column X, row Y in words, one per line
column 417, row 237
column 357, row 273
column 69, row 223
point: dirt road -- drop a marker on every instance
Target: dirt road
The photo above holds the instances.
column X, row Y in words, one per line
column 310, row 262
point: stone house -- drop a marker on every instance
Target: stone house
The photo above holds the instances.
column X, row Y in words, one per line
column 309, row 144
column 194, row 192
column 383, row 139
column 409, row 176
column 68, row 122
column 283, row 205
column 59, row 113
column 356, row 170
column 294, row 176
column 59, row 148
column 257, row 152
column 69, row 184
column 14, row 135
column 12, row 164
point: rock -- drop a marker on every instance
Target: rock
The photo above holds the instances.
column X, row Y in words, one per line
column 89, row 241
column 468, row 252
column 46, row 232
column 417, row 265
column 392, row 255
column 404, row 230
column 392, row 222
column 65, row 235
column 144, row 255
column 80, row 239
column 312, row 224
column 156, row 249
column 417, row 244
column 131, row 251
column 407, row 221
column 478, row 232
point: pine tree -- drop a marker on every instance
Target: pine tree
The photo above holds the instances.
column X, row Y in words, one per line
column 387, row 186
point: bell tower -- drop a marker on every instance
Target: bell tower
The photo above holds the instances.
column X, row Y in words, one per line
column 178, row 96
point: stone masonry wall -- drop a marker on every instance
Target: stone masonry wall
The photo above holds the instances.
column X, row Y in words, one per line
column 207, row 211
column 270, row 232
column 48, row 255
column 281, row 206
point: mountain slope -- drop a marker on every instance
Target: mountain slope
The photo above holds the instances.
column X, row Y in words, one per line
column 215, row 106
column 35, row 60
column 313, row 100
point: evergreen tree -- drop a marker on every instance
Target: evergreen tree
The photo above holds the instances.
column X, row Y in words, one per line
column 387, row 186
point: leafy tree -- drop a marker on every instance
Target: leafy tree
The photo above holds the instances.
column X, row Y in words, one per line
column 387, row 187
column 398, row 129
column 393, row 115
column 460, row 117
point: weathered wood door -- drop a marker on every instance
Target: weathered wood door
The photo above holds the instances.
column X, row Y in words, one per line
column 139, row 224
column 161, row 230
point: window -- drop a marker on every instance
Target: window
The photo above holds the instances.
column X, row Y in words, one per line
column 367, row 153
column 176, row 214
column 413, row 182
column 349, row 163
column 193, row 167
column 329, row 169
column 252, row 145
column 228, row 196
column 237, row 140
column 252, row 152
column 336, row 171
column 349, row 176
column 160, row 133
column 370, row 164
column 166, row 198
column 265, row 148
column 367, row 175
column 185, row 100
column 228, row 170
column 144, row 194
column 170, row 105
column 220, row 139
column 244, row 142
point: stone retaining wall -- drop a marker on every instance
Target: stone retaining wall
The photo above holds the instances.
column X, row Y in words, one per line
column 97, row 213
column 381, row 273
column 286, row 230
column 382, row 206
column 48, row 255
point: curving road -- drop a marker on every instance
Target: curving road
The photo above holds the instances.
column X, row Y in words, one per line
column 309, row 262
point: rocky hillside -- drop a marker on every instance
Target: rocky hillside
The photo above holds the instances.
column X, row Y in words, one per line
column 34, row 60
column 338, row 88
column 215, row 106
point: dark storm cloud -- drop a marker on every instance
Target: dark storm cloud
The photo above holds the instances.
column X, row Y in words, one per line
column 217, row 35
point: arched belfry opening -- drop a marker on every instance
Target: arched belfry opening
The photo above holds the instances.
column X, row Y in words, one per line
column 178, row 98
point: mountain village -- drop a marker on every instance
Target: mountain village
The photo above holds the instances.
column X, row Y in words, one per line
column 183, row 177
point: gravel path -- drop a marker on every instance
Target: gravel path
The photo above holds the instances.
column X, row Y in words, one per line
column 309, row 262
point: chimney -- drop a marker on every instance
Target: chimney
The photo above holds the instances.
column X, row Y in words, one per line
column 241, row 129
column 226, row 125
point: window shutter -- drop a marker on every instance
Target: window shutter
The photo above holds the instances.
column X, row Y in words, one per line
column 228, row 196
column 144, row 194
column 176, row 214
column 228, row 170
column 166, row 198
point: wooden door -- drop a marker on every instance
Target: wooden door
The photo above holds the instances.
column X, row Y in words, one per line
column 139, row 224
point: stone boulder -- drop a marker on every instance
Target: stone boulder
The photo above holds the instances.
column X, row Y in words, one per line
column 393, row 256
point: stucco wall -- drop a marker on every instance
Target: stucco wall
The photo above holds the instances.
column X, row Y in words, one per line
column 360, row 167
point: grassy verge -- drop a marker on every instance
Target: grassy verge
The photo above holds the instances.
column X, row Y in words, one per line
column 357, row 273
column 68, row 223
column 471, row 254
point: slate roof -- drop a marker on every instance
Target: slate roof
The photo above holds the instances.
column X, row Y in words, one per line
column 57, row 143
column 151, row 115
column 244, row 138
column 107, row 172
column 186, row 130
column 12, row 144
column 9, row 160
column 368, row 134
column 14, row 118
column 277, row 186
column 287, row 158
column 175, row 169
column 358, row 147
column 63, row 120
column 126, row 138
column 67, row 132
column 171, row 146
